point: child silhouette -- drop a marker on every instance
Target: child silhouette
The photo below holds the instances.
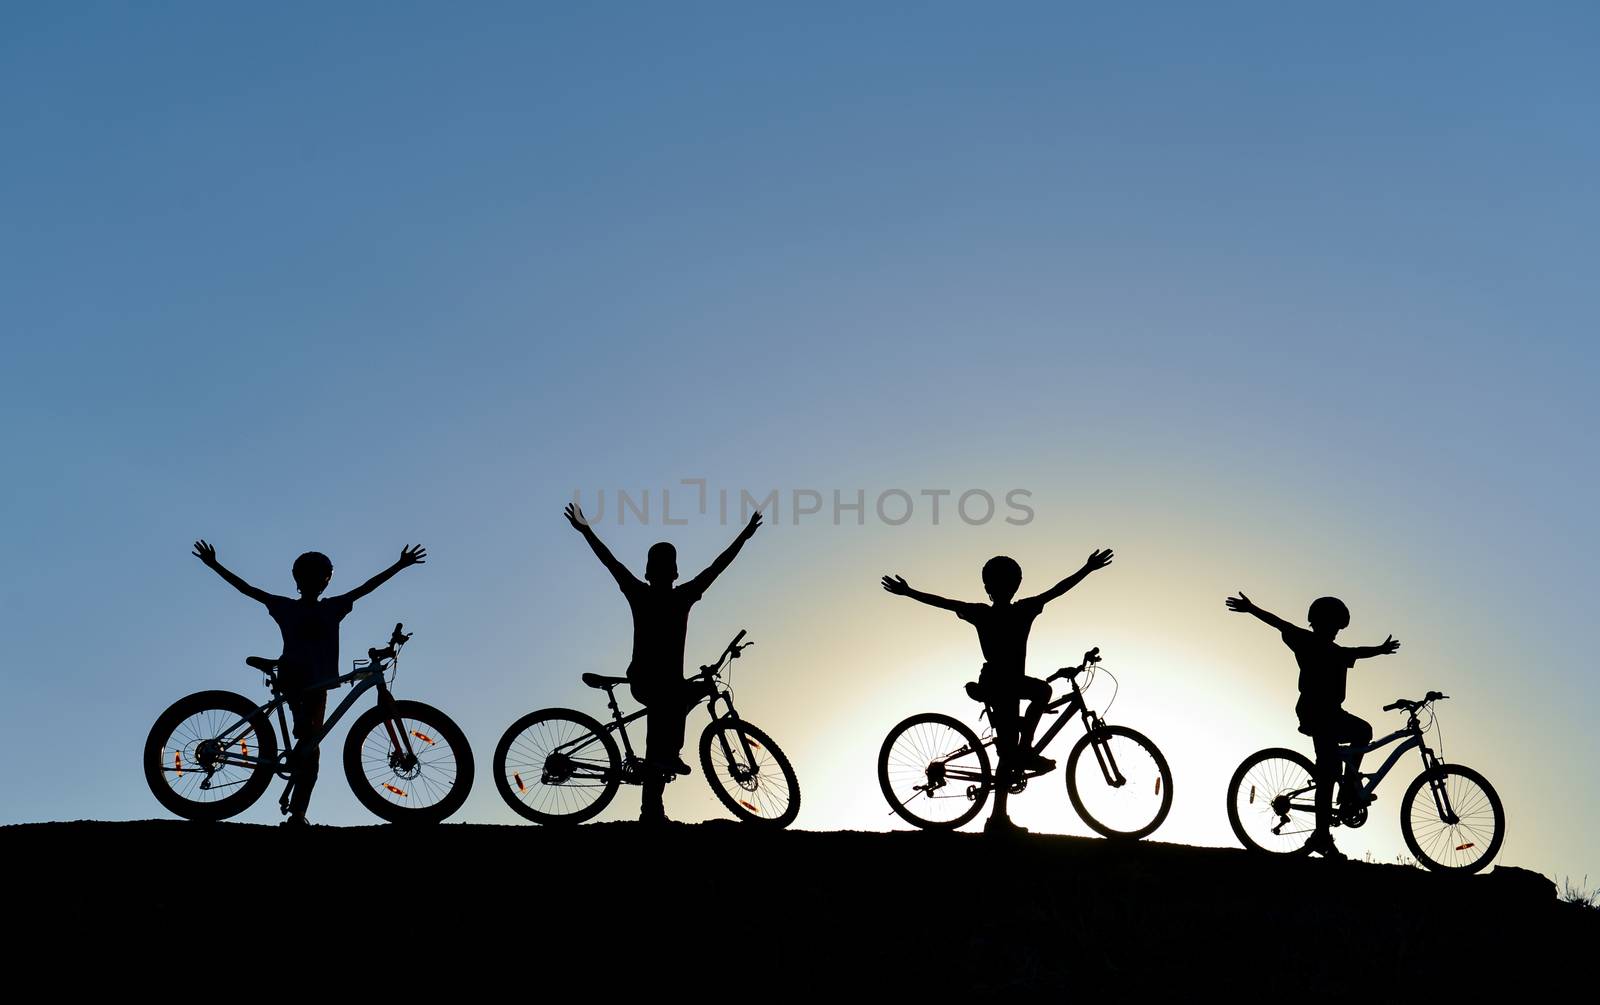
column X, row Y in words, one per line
column 660, row 624
column 1003, row 626
column 310, row 661
column 1324, row 666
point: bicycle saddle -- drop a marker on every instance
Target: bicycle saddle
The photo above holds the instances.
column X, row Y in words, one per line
column 975, row 692
column 597, row 680
column 261, row 663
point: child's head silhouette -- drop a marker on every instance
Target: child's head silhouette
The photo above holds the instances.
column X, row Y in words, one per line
column 1328, row 616
column 1001, row 577
column 312, row 572
column 661, row 564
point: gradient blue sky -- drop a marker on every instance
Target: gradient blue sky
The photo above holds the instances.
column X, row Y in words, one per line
column 1299, row 302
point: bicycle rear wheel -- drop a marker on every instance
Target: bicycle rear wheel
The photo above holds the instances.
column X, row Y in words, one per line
column 749, row 774
column 210, row 755
column 557, row 766
column 411, row 766
column 1271, row 801
column 1124, row 789
column 1467, row 841
column 934, row 771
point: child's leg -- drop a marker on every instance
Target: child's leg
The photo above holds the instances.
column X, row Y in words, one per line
column 1356, row 732
column 1329, row 761
column 1003, row 715
column 663, row 741
column 1037, row 694
column 308, row 710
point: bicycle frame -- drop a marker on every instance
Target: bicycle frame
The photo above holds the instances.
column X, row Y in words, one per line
column 362, row 680
column 1071, row 704
column 1409, row 737
column 629, row 771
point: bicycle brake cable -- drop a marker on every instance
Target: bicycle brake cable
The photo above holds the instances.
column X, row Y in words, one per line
column 1116, row 688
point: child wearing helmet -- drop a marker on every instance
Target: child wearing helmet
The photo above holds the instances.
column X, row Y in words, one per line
column 1003, row 626
column 1324, row 666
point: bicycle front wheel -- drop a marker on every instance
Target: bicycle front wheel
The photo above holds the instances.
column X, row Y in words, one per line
column 749, row 773
column 210, row 756
column 1124, row 790
column 1272, row 801
column 934, row 771
column 557, row 766
column 1452, row 819
column 409, row 763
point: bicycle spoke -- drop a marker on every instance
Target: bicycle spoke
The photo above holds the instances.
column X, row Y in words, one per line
column 418, row 782
column 748, row 773
column 929, row 768
column 1459, row 845
column 1127, row 808
column 557, row 767
column 1253, row 799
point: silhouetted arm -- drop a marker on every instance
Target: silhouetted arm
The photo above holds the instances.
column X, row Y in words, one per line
column 618, row 571
column 709, row 574
column 898, row 586
column 1097, row 560
column 1388, row 646
column 1243, row 605
column 207, row 554
column 411, row 554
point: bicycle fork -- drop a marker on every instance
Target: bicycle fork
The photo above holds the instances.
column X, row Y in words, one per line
column 1102, row 753
column 401, row 754
column 1436, row 788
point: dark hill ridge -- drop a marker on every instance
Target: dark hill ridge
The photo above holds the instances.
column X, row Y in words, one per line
column 837, row 911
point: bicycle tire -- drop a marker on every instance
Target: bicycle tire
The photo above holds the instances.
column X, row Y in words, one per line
column 750, row 792
column 1275, row 771
column 200, row 716
column 1444, row 844
column 424, row 792
column 1155, row 777
column 910, row 752
column 525, row 746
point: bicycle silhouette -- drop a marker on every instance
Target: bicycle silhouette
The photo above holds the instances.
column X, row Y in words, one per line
column 561, row 766
column 1458, row 828
column 211, row 755
column 934, row 770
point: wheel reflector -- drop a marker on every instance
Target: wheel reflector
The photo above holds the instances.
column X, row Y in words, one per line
column 752, row 809
column 1158, row 785
column 177, row 761
column 520, row 786
column 423, row 738
column 1252, row 794
column 1464, row 847
column 399, row 792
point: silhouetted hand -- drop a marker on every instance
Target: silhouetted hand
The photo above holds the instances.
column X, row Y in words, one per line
column 1389, row 646
column 750, row 528
column 205, row 553
column 575, row 517
column 1097, row 560
column 1241, row 604
column 412, row 554
column 896, row 585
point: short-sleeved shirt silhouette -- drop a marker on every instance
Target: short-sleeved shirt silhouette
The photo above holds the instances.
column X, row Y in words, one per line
column 1324, row 667
column 660, row 626
column 310, row 637
column 1003, row 634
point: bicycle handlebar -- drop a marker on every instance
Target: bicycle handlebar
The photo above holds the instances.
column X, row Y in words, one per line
column 1089, row 659
column 731, row 652
column 1409, row 705
column 396, row 639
